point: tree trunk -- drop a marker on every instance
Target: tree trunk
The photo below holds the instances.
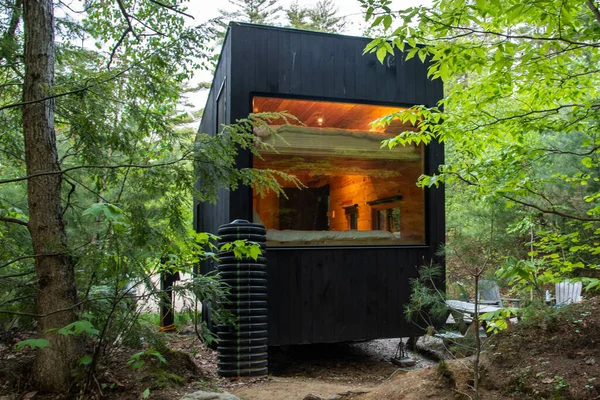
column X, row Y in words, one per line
column 55, row 284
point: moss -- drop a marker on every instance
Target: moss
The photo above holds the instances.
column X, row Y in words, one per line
column 444, row 372
column 162, row 379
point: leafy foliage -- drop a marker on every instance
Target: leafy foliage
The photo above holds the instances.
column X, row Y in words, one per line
column 519, row 114
column 136, row 361
column 79, row 328
column 129, row 168
column 32, row 344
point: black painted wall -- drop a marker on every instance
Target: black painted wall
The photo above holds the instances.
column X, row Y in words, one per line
column 207, row 216
column 320, row 295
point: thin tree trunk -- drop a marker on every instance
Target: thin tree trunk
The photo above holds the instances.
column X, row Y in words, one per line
column 477, row 338
column 55, row 284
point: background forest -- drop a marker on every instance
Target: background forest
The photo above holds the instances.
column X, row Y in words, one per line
column 98, row 162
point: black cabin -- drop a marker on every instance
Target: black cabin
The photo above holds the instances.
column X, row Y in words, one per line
column 341, row 252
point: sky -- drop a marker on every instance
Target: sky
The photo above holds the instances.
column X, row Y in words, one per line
column 203, row 10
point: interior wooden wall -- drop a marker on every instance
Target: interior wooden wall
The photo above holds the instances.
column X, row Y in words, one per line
column 347, row 190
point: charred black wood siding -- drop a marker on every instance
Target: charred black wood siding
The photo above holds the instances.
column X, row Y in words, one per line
column 207, row 216
column 320, row 295
column 333, row 295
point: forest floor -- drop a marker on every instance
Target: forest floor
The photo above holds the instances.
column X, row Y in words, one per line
column 553, row 355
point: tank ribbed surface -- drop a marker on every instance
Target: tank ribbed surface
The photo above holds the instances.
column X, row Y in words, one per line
column 242, row 349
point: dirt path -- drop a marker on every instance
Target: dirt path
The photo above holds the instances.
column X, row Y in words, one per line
column 325, row 371
column 297, row 388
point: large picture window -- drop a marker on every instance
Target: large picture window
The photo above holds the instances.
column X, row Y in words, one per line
column 356, row 193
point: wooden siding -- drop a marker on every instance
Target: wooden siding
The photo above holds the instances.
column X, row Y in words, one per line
column 313, row 65
column 321, row 295
column 208, row 217
column 333, row 295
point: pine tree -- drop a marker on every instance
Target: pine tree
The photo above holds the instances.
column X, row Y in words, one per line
column 320, row 17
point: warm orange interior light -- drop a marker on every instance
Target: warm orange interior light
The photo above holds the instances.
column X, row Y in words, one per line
column 350, row 116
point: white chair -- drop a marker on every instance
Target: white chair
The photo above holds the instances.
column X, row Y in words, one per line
column 568, row 292
column 489, row 294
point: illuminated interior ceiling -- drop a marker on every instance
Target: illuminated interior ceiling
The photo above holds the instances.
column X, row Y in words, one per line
column 326, row 114
column 339, row 134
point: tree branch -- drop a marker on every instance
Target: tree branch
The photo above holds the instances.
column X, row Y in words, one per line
column 472, row 31
column 171, row 8
column 13, row 24
column 114, row 50
column 73, row 188
column 19, row 259
column 127, row 16
column 16, row 275
column 530, row 205
column 83, row 89
column 37, row 255
column 573, row 153
column 16, row 299
column 594, row 9
column 140, row 166
column 14, row 221
column 547, row 211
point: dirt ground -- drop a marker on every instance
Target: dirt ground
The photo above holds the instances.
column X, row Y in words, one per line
column 325, row 371
column 553, row 355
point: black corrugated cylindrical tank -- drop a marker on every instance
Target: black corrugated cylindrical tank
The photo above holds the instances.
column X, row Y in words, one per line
column 242, row 349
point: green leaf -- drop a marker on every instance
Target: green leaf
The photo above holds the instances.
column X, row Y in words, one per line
column 156, row 354
column 146, row 393
column 387, row 21
column 136, row 360
column 32, row 344
column 77, row 328
column 111, row 212
column 381, row 53
column 85, row 360
column 411, row 53
column 369, row 48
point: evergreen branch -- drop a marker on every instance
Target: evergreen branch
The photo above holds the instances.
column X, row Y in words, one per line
column 22, row 258
column 13, row 24
column 74, row 305
column 140, row 166
column 16, row 299
column 16, row 275
column 37, row 255
column 15, row 18
column 85, row 187
column 55, row 96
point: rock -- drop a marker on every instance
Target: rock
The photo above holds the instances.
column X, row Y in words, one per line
column 311, row 396
column 202, row 395
column 403, row 362
column 590, row 361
